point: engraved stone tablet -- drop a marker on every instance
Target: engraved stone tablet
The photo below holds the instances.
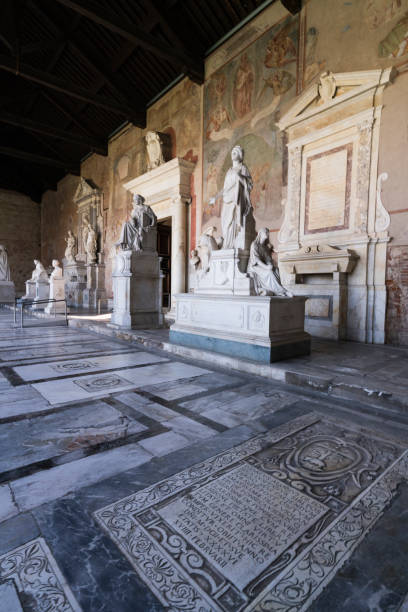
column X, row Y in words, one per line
column 243, row 520
column 328, row 179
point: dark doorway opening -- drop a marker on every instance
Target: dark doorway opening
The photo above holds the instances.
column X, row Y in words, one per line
column 164, row 250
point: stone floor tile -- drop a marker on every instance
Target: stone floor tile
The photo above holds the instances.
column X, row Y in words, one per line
column 164, row 443
column 8, row 507
column 189, row 429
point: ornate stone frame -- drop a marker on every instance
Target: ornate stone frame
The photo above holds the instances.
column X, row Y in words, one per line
column 349, row 114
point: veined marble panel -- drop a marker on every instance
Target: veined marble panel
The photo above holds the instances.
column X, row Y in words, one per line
column 57, row 350
column 37, row 578
column 62, row 368
column 237, row 531
column 94, row 385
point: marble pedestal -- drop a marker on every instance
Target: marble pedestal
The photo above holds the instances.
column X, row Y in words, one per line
column 42, row 292
column 137, row 290
column 30, row 291
column 95, row 285
column 75, row 282
column 57, row 292
column 263, row 329
column 227, row 274
column 7, row 291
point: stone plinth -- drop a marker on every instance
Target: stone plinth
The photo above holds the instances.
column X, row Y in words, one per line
column 227, row 274
column 42, row 292
column 30, row 290
column 95, row 285
column 137, row 289
column 57, row 292
column 7, row 291
column 75, row 275
column 263, row 329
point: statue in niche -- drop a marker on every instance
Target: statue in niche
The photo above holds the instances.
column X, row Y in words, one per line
column 4, row 265
column 260, row 267
column 70, row 249
column 142, row 219
column 39, row 273
column 327, row 86
column 236, row 198
column 89, row 240
column 57, row 270
column 207, row 243
column 154, row 146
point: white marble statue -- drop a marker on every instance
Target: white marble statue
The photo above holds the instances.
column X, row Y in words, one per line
column 90, row 245
column 207, row 243
column 154, row 146
column 261, row 269
column 142, row 219
column 57, row 270
column 70, row 249
column 39, row 273
column 236, row 198
column 4, row 265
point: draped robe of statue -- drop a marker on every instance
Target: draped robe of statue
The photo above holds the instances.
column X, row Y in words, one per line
column 236, row 203
column 141, row 219
column 261, row 268
column 4, row 265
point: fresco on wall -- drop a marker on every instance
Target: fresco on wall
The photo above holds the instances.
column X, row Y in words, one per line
column 378, row 12
column 241, row 102
column 395, row 45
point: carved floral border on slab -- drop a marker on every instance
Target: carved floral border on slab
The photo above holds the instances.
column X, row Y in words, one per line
column 37, row 578
column 175, row 572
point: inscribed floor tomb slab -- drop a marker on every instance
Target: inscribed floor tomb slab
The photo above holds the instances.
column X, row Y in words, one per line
column 338, row 470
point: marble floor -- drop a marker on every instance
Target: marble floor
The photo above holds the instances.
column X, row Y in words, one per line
column 135, row 480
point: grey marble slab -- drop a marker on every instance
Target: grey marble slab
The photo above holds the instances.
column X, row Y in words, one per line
column 7, row 506
column 189, row 429
column 164, row 443
column 147, row 407
column 33, row 440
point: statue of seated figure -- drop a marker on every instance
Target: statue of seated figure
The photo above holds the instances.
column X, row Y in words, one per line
column 39, row 273
column 142, row 219
column 261, row 269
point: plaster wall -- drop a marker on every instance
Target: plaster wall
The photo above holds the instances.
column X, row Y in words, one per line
column 20, row 233
column 250, row 81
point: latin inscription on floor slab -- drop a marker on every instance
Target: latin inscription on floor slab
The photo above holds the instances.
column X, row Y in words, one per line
column 242, row 521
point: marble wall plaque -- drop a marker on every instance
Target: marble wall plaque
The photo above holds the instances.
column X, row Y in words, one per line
column 243, row 520
column 328, row 186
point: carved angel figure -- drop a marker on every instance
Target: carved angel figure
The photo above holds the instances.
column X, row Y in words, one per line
column 4, row 265
column 154, row 147
column 90, row 245
column 142, row 219
column 70, row 249
column 261, row 269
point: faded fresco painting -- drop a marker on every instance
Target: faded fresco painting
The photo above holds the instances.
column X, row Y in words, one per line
column 241, row 105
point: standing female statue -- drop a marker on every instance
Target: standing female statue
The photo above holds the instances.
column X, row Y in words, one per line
column 261, row 269
column 236, row 198
column 70, row 250
column 4, row 265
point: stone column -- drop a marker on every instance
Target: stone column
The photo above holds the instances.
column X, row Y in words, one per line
column 178, row 248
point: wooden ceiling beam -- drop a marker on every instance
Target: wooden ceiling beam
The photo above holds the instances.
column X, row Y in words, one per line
column 138, row 117
column 293, row 6
column 53, row 132
column 187, row 64
column 68, row 166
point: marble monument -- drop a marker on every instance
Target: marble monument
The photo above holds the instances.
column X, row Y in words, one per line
column 57, row 289
column 136, row 277
column 239, row 306
column 7, row 290
column 38, row 286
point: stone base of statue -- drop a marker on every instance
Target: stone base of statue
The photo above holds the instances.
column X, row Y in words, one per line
column 57, row 292
column 42, row 292
column 95, row 285
column 137, row 290
column 75, row 277
column 263, row 329
column 227, row 274
column 30, row 290
column 7, row 291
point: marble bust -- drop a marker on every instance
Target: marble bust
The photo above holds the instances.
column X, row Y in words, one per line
column 142, row 219
column 57, row 271
column 39, row 273
column 236, row 203
column 261, row 268
column 4, row 265
column 70, row 249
